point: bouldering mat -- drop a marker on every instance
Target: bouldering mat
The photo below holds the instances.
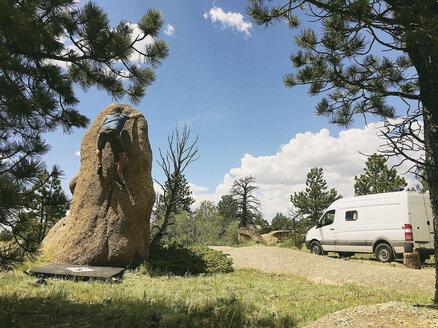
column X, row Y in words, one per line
column 82, row 272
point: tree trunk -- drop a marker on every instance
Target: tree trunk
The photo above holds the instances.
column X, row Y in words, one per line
column 423, row 51
column 431, row 138
column 428, row 78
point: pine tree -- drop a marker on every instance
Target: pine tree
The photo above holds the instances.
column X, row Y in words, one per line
column 228, row 209
column 37, row 210
column 377, row 178
column 248, row 204
column 183, row 201
column 311, row 202
column 421, row 177
column 281, row 222
column 367, row 54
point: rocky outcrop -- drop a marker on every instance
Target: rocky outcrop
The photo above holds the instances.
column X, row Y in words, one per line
column 276, row 236
column 109, row 225
column 249, row 233
column 55, row 234
column 72, row 184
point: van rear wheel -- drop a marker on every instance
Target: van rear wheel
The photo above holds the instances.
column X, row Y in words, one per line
column 384, row 253
column 316, row 248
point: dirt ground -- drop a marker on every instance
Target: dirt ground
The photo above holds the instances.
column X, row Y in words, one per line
column 325, row 269
column 330, row 270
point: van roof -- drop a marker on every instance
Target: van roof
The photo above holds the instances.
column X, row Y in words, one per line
column 395, row 196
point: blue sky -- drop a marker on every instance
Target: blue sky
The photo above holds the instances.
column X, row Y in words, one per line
column 223, row 78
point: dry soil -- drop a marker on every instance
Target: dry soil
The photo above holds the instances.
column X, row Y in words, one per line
column 329, row 270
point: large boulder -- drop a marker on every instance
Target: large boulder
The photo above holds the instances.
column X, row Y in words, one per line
column 249, row 233
column 276, row 236
column 55, row 234
column 109, row 225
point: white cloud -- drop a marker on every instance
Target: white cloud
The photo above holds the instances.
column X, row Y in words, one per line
column 169, row 30
column 196, row 189
column 68, row 48
column 280, row 175
column 78, row 153
column 135, row 57
column 140, row 45
column 229, row 19
column 157, row 188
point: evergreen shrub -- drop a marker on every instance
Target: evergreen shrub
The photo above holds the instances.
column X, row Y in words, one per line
column 295, row 240
column 182, row 260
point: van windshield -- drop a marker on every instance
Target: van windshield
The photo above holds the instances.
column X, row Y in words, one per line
column 328, row 218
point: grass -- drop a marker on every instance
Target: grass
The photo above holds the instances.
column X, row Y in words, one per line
column 244, row 298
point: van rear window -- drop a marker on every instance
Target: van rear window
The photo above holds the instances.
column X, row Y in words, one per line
column 351, row 216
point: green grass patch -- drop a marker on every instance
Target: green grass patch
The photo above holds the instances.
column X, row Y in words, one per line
column 244, row 298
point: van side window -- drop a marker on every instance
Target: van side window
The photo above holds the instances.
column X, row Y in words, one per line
column 351, row 216
column 328, row 218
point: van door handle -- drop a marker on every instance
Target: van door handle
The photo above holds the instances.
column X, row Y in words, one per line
column 332, row 228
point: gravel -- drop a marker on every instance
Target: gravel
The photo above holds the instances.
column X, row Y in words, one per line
column 323, row 269
column 387, row 315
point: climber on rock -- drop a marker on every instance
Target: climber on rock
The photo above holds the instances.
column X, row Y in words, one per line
column 110, row 132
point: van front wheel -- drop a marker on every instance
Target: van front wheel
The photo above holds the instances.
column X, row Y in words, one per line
column 384, row 253
column 316, row 248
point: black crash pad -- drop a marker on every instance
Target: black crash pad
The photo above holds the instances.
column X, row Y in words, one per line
column 83, row 272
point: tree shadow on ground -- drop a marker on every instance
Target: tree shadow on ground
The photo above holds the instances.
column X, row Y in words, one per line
column 60, row 311
column 427, row 306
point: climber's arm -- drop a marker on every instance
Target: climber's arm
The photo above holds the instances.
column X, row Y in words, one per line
column 134, row 116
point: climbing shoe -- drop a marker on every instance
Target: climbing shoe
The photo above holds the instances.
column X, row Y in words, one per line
column 99, row 169
column 119, row 180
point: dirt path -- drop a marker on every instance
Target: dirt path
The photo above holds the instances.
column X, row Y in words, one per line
column 330, row 270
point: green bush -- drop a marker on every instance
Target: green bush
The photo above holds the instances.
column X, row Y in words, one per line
column 215, row 261
column 9, row 254
column 295, row 240
column 202, row 227
column 6, row 235
column 181, row 260
column 230, row 236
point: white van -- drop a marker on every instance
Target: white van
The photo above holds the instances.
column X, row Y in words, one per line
column 385, row 224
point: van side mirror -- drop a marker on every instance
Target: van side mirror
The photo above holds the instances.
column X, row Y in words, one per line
column 318, row 224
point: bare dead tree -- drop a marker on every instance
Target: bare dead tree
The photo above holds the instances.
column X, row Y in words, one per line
column 248, row 204
column 404, row 139
column 180, row 154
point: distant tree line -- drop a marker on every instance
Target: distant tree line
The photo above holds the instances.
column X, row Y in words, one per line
column 218, row 224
